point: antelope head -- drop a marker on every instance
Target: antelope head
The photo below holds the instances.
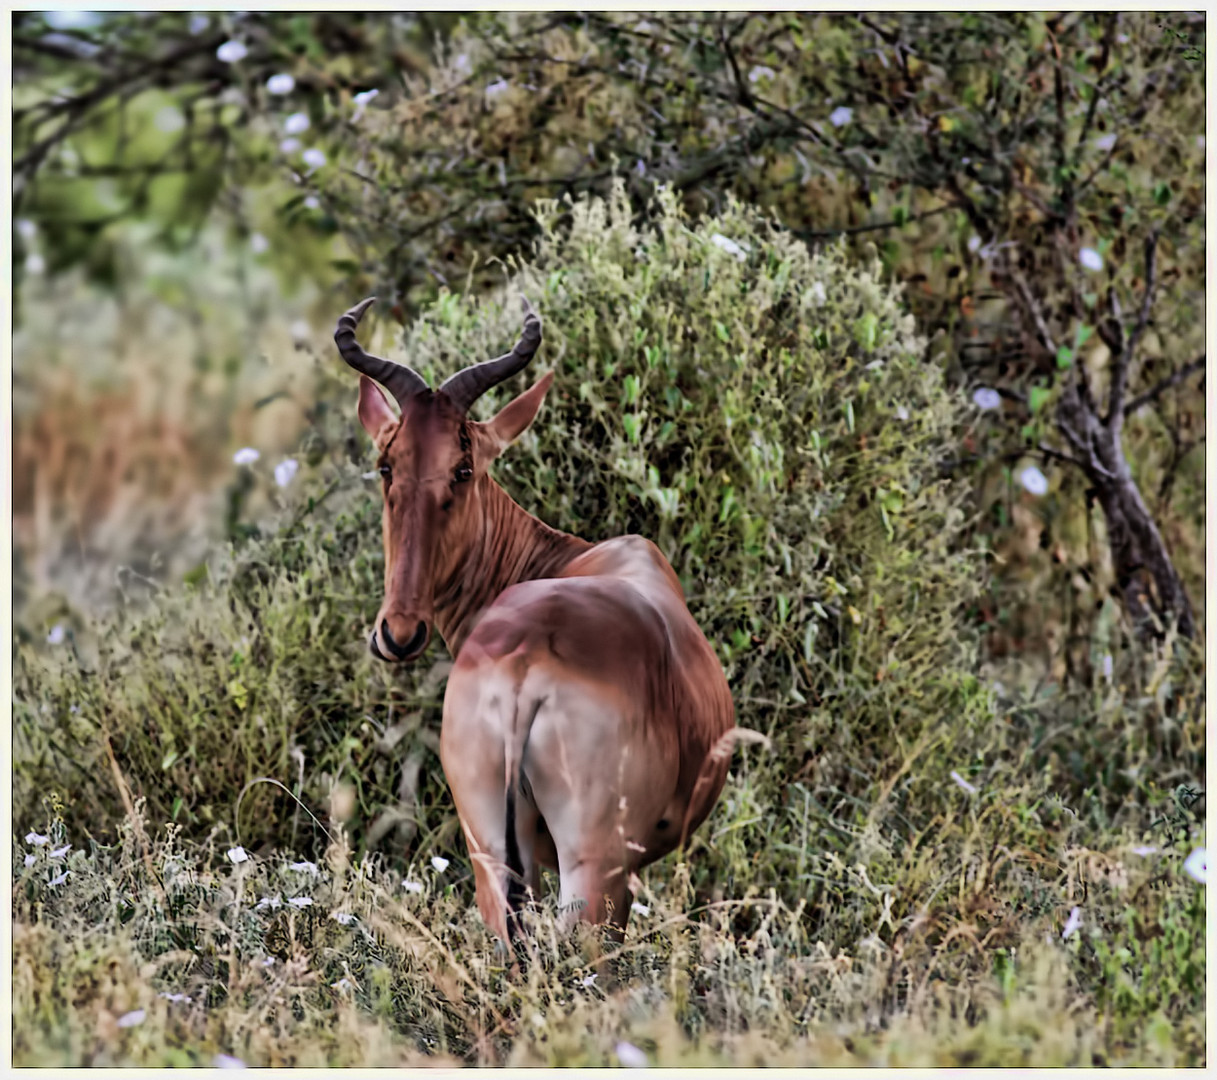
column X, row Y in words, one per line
column 433, row 461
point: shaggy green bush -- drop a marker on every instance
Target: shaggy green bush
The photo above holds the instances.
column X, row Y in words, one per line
column 762, row 412
column 912, row 833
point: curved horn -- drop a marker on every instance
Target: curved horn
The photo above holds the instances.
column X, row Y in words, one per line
column 465, row 387
column 401, row 381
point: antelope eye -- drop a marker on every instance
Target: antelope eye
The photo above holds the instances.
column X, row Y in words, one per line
column 464, row 473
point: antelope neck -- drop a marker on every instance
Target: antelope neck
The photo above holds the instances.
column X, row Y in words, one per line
column 512, row 546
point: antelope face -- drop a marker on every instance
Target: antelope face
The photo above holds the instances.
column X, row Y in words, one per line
column 433, row 461
column 429, row 470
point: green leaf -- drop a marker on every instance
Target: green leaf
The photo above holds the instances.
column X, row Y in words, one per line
column 721, row 331
column 1064, row 358
column 1037, row 396
column 1162, row 193
column 868, row 331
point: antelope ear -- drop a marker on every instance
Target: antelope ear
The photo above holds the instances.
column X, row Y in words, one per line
column 374, row 413
column 514, row 417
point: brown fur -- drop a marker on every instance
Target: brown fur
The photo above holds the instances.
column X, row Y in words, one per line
column 584, row 702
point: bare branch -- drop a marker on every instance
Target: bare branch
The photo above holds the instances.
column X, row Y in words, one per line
column 1123, row 361
column 1157, row 391
column 1032, row 307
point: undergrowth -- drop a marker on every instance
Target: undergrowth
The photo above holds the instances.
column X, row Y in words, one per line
column 923, row 868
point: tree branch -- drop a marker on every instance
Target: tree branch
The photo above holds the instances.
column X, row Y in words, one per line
column 1157, row 391
column 1123, row 360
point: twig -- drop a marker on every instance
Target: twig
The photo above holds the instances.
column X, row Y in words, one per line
column 1157, row 391
column 1124, row 359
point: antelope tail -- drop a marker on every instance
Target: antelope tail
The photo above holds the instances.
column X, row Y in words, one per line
column 514, row 748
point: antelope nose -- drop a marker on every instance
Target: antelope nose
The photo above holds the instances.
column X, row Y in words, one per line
column 397, row 651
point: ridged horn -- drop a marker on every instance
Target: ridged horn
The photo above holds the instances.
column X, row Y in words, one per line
column 466, row 386
column 401, row 381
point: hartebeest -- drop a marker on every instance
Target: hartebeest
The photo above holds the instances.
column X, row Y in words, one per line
column 586, row 718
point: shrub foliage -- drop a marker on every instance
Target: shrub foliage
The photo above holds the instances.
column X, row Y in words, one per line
column 766, row 415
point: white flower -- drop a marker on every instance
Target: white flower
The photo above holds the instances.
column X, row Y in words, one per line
column 974, row 243
column 177, row 999
column 1196, row 866
column 60, row 852
column 135, row 1016
column 1033, row 480
column 289, row 146
column 986, row 399
column 237, row 854
column 1105, row 142
column 969, row 788
column 729, row 246
column 56, row 635
column 285, row 470
column 1107, row 666
column 169, row 120
column 343, row 917
column 271, row 902
column 311, row 202
column 1145, row 850
column 761, row 72
column 1090, row 259
column 817, row 294
column 60, row 879
column 589, row 981
column 365, row 98
column 497, row 87
column 71, row 20
column 30, row 859
column 247, row 455
column 35, row 264
column 199, row 23
column 280, row 84
column 640, row 167
column 1073, row 923
column 300, row 330
column 630, row 1056
column 439, row 862
column 227, row 1061
column 296, row 124
column 37, row 839
column 259, row 244
column 304, row 867
column 840, row 116
column 642, row 909
column 313, row 158
column 301, row 901
column 231, row 52
column 901, row 413
column 412, row 886
column 26, row 229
